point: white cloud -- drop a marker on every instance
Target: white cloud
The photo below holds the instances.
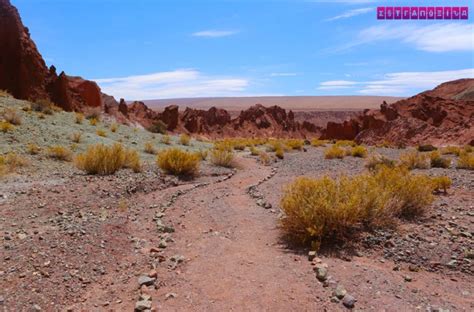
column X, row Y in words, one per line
column 173, row 84
column 214, row 33
column 350, row 13
column 283, row 74
column 431, row 38
column 346, row 1
column 403, row 83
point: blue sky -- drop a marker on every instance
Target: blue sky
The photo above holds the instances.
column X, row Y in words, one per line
column 170, row 49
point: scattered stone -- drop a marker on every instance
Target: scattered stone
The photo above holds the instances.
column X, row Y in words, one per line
column 408, row 278
column 339, row 292
column 163, row 244
column 335, row 300
column 153, row 274
column 348, row 301
column 177, row 258
column 37, row 308
column 143, row 305
column 311, row 255
column 146, row 280
column 171, row 295
column 321, row 273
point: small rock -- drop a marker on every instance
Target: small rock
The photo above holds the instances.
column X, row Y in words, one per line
column 408, row 278
column 163, row 244
column 339, row 292
column 321, row 273
column 348, row 301
column 171, row 295
column 143, row 305
column 335, row 299
column 146, row 280
column 37, row 308
column 311, row 255
column 153, row 274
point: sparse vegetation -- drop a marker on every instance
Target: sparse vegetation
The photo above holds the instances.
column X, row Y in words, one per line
column 341, row 143
column 441, row 184
column 466, row 161
column 264, row 158
column 5, row 126
column 101, row 133
column 76, row 137
column 439, row 162
column 319, row 143
column 415, row 160
column 295, row 144
column 132, row 160
column 378, row 161
column 79, row 118
column 202, row 154
column 114, row 127
column 44, row 106
column 280, row 153
column 33, row 149
column 222, row 155
column 184, row 139
column 165, row 139
column 59, row 152
column 12, row 116
column 334, row 152
column 149, row 148
column 426, row 148
column 253, row 150
column 158, row 127
column 101, row 159
column 10, row 162
column 359, row 151
column 320, row 210
column 451, row 150
column 178, row 162
column 93, row 121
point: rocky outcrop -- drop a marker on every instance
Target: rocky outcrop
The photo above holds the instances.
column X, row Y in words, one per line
column 444, row 115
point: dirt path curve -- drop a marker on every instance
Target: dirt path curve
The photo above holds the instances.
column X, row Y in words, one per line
column 236, row 262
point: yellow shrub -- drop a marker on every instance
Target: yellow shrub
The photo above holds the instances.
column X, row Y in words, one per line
column 359, row 151
column 466, row 161
column 184, row 139
column 101, row 133
column 437, row 161
column 93, row 121
column 74, row 147
column 319, row 143
column 468, row 149
column 202, row 154
column 59, row 152
column 149, row 148
column 325, row 209
column 178, row 162
column 253, row 151
column 377, row 161
column 442, row 183
column 10, row 162
column 165, row 139
column 12, row 116
column 33, row 149
column 295, row 144
column 114, row 127
column 334, row 152
column 132, row 160
column 274, row 145
column 222, row 156
column 79, row 118
column 341, row 143
column 104, row 160
column 279, row 153
column 44, row 106
column 265, row 158
column 415, row 160
column 5, row 126
column 452, row 150
column 76, row 137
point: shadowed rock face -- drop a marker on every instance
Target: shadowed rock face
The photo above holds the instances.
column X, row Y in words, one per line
column 439, row 116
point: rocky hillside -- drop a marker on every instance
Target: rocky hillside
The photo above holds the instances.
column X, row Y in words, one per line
column 439, row 116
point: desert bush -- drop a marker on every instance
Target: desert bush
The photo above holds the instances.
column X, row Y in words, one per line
column 468, row 148
column 319, row 143
column 33, row 149
column 12, row 116
column 378, row 161
column 334, row 152
column 94, row 114
column 202, row 154
column 184, row 139
column 280, row 152
column 264, row 158
column 341, row 143
column 44, row 106
column 76, row 137
column 73, row 147
column 114, row 127
column 465, row 161
column 326, row 209
column 415, row 160
column 78, row 118
column 451, row 150
column 5, row 126
column 93, row 121
column 132, row 160
column 101, row 159
column 149, row 148
column 178, row 162
column 253, row 150
column 385, row 144
column 439, row 162
column 222, row 156
column 59, row 152
column 158, row 127
column 441, row 184
column 359, row 151
column 274, row 145
column 4, row 93
column 165, row 139
column 10, row 162
column 426, row 148
column 295, row 144
column 41, row 116
column 101, row 133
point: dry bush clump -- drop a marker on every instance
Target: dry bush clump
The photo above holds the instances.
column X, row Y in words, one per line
column 158, row 127
column 45, row 106
column 184, row 139
column 253, row 150
column 165, row 139
column 264, row 158
column 377, row 161
column 441, row 184
column 343, row 143
column 93, row 121
column 76, row 137
column 280, row 152
column 415, row 160
column 294, row 144
column 318, row 142
column 149, row 148
column 222, row 155
column 202, row 154
column 33, row 149
column 178, row 162
column 426, row 148
column 466, row 161
column 451, row 150
column 59, row 152
column 10, row 162
column 5, row 126
column 359, row 151
column 326, row 209
column 104, row 160
column 437, row 161
column 101, row 133
column 114, row 127
column 12, row 116
column 334, row 152
column 78, row 118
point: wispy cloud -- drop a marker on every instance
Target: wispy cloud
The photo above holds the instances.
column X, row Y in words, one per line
column 283, row 74
column 431, row 38
column 350, row 13
column 215, row 33
column 173, row 84
column 403, row 83
column 346, row 1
